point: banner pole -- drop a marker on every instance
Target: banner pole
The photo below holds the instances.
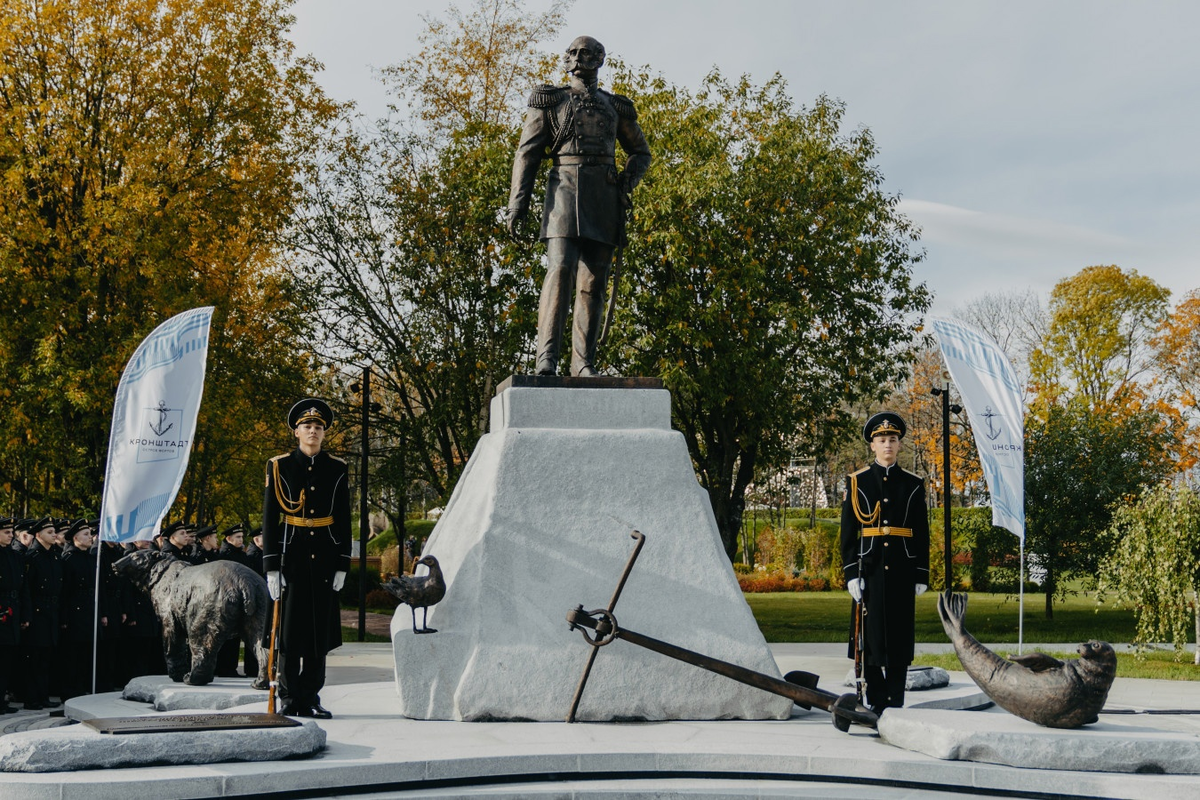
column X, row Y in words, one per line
column 96, row 616
column 1021, row 599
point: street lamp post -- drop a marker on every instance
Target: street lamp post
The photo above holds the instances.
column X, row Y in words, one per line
column 364, row 516
column 947, row 407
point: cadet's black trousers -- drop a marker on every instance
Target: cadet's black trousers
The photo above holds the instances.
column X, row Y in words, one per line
column 885, row 685
column 301, row 679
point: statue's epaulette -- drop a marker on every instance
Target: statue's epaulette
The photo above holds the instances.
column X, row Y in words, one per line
column 624, row 106
column 546, row 96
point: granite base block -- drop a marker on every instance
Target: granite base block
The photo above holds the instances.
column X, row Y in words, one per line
column 1158, row 744
column 79, row 747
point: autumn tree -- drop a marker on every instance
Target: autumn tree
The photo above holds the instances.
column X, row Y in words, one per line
column 769, row 275
column 402, row 244
column 1097, row 344
column 149, row 159
column 1177, row 349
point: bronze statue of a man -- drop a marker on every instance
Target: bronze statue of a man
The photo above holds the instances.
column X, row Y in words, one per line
column 577, row 127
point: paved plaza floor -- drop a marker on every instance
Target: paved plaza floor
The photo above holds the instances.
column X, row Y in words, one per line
column 374, row 753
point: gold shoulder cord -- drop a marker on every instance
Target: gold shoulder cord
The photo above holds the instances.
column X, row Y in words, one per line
column 298, row 507
column 867, row 521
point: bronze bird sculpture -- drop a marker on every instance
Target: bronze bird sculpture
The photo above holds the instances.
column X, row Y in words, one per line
column 420, row 591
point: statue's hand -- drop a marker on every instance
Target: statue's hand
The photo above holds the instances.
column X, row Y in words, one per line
column 339, row 580
column 513, row 217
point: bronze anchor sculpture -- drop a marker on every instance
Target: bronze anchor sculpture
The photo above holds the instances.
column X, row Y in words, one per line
column 799, row 687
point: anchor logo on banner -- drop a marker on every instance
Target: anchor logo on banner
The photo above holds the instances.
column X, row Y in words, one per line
column 162, row 426
column 993, row 431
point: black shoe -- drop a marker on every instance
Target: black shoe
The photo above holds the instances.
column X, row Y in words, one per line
column 291, row 709
column 34, row 707
column 878, row 710
column 320, row 712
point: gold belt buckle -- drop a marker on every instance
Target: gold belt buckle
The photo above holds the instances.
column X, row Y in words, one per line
column 887, row 529
column 308, row 523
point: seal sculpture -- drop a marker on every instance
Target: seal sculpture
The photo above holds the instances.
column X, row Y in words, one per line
column 200, row 608
column 1035, row 686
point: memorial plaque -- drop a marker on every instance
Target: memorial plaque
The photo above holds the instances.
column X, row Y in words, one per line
column 178, row 723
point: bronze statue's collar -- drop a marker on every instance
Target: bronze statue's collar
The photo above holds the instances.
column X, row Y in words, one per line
column 578, row 84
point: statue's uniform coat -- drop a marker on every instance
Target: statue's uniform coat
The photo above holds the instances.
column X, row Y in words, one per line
column 308, row 556
column 891, row 565
column 582, row 127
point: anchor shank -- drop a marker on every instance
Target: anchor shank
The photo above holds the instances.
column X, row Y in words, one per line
column 797, row 694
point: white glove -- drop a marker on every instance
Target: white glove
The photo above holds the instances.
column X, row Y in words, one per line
column 339, row 580
column 275, row 584
column 855, row 587
column 921, row 587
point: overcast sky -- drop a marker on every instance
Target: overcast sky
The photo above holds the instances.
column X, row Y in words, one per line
column 1027, row 139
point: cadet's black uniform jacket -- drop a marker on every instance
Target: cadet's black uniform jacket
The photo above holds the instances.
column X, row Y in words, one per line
column 228, row 552
column 306, row 536
column 886, row 523
column 14, row 598
column 44, row 576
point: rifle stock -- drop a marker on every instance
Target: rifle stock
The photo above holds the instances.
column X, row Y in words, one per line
column 271, row 658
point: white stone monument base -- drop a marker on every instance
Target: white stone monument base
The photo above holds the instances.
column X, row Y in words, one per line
column 539, row 523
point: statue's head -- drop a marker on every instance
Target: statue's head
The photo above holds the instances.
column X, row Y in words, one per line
column 584, row 55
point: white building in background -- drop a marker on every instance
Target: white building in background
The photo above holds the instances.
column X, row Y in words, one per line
column 796, row 483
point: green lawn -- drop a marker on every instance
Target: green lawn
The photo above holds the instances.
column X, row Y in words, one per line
column 351, row 635
column 825, row 617
column 1159, row 664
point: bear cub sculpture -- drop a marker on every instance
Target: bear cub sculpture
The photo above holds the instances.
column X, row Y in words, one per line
column 201, row 607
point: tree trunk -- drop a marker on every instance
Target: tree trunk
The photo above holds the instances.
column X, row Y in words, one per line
column 1048, row 586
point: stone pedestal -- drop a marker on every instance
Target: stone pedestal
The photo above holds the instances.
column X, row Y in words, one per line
column 539, row 523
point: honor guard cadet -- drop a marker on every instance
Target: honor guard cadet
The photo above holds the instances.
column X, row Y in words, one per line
column 306, row 555
column 577, row 127
column 885, row 557
column 44, row 577
column 14, row 609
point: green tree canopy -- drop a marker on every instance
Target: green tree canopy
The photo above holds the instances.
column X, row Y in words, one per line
column 1079, row 467
column 770, row 275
